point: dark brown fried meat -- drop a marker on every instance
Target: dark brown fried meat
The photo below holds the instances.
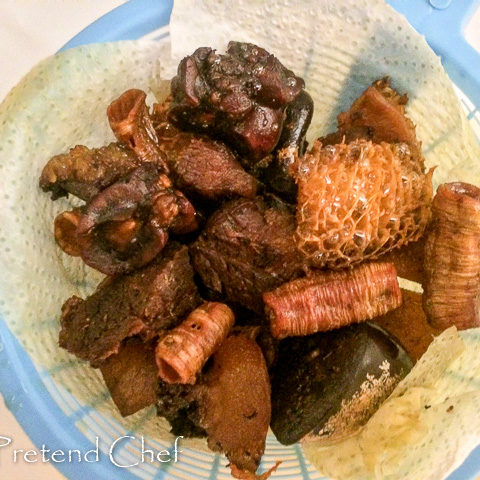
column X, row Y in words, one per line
column 377, row 115
column 126, row 225
column 200, row 165
column 235, row 403
column 245, row 249
column 452, row 258
column 240, row 96
column 145, row 302
column 132, row 125
column 131, row 376
column 83, row 171
column 328, row 300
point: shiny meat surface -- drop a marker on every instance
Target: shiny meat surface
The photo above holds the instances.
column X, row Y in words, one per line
column 360, row 200
column 240, row 96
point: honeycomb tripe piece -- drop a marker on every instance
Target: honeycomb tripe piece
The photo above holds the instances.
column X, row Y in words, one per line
column 359, row 200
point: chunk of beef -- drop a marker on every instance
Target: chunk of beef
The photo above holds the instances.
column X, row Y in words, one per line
column 240, row 96
column 145, row 302
column 200, row 165
column 131, row 375
column 83, row 171
column 235, row 403
column 247, row 248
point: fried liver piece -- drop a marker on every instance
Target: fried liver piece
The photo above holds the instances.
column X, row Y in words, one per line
column 245, row 249
column 452, row 258
column 378, row 115
column 131, row 376
column 360, row 200
column 235, row 404
column 200, row 165
column 408, row 324
column 332, row 299
column 320, row 384
column 145, row 302
column 240, row 96
column 84, row 171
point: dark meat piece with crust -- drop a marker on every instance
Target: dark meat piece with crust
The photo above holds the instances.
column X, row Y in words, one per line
column 145, row 302
column 275, row 169
column 83, row 171
column 132, row 125
column 377, row 115
column 179, row 405
column 131, row 376
column 240, row 96
column 126, row 225
column 235, row 404
column 200, row 165
column 245, row 249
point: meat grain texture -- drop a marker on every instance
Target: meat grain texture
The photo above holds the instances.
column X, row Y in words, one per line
column 247, row 248
column 145, row 302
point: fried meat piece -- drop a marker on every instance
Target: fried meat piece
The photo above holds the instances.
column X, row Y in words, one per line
column 84, row 172
column 245, row 249
column 145, row 302
column 235, row 404
column 333, row 299
column 200, row 165
column 377, row 115
column 240, row 96
column 452, row 258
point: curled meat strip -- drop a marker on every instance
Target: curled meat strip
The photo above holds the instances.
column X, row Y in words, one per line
column 125, row 226
column 183, row 351
column 131, row 123
column 329, row 300
column 235, row 405
column 65, row 231
column 240, row 96
column 452, row 258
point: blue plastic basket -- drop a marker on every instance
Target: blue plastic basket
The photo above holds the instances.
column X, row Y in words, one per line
column 25, row 391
